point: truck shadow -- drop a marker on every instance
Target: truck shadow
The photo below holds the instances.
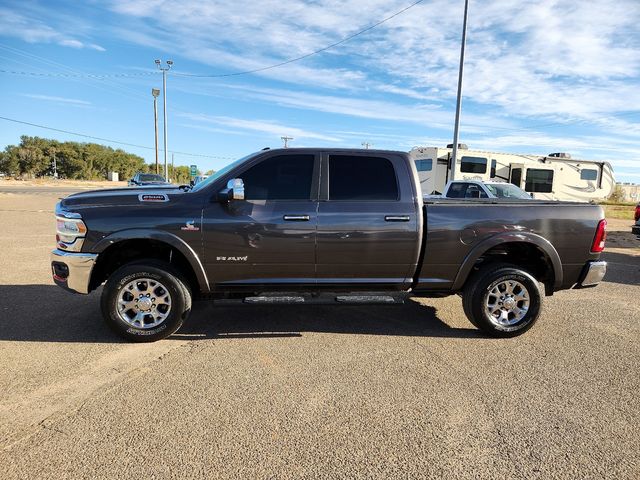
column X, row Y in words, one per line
column 45, row 313
column 623, row 268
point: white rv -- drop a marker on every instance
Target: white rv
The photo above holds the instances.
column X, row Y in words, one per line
column 553, row 177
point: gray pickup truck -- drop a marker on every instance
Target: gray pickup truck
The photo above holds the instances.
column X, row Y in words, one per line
column 320, row 225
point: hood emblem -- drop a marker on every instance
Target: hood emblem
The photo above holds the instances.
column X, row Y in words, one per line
column 190, row 226
column 153, row 197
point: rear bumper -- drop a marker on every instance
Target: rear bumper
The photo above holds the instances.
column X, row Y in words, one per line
column 592, row 274
column 72, row 270
column 635, row 229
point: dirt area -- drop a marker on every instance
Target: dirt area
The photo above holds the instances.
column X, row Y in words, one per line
column 619, row 237
column 49, row 182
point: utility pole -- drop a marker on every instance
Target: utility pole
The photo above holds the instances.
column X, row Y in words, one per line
column 286, row 139
column 173, row 169
column 456, row 128
column 164, row 69
column 155, row 92
column 366, row 145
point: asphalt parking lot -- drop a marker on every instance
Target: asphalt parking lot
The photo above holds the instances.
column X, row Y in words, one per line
column 407, row 391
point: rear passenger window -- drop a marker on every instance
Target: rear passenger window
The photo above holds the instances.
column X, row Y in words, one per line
column 361, row 178
column 285, row 177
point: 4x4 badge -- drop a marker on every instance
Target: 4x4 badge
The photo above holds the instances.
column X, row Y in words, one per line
column 189, row 226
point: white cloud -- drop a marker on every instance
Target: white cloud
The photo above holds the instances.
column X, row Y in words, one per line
column 31, row 29
column 63, row 100
column 264, row 126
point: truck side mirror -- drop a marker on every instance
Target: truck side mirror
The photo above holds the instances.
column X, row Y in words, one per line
column 234, row 190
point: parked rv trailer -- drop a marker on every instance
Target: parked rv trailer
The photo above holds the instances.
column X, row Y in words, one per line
column 551, row 177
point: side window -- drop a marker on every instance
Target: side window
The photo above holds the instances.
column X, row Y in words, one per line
column 424, row 165
column 361, row 178
column 473, row 165
column 588, row 174
column 285, row 177
column 457, row 190
column 539, row 180
column 516, row 176
column 493, row 168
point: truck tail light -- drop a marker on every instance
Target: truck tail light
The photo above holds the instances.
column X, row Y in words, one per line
column 600, row 238
column 637, row 214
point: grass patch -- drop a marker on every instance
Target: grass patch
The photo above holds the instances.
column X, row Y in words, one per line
column 623, row 212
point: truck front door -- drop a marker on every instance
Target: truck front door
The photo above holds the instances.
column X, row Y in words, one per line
column 267, row 239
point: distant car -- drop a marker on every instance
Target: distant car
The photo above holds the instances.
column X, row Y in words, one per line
column 481, row 189
column 635, row 229
column 147, row 180
column 199, row 179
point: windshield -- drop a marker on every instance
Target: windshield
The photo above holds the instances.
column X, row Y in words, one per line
column 220, row 173
column 507, row 190
column 149, row 177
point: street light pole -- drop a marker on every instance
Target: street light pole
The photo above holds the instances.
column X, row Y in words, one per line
column 155, row 92
column 164, row 69
column 456, row 128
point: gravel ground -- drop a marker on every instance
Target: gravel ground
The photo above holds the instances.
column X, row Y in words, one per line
column 407, row 391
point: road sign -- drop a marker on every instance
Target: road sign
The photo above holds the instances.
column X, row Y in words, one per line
column 194, row 170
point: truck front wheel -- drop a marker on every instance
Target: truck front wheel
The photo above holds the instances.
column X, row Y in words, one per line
column 145, row 301
column 502, row 300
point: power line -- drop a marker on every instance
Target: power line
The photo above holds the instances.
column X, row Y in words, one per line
column 233, row 74
column 307, row 55
column 78, row 75
column 110, row 140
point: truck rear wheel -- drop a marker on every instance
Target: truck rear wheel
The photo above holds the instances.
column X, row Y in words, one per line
column 502, row 300
column 145, row 301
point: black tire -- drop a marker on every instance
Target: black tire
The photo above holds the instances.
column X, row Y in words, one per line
column 478, row 291
column 169, row 281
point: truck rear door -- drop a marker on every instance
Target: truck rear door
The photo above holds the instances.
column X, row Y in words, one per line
column 368, row 221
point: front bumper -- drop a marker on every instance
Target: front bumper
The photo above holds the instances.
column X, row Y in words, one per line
column 592, row 274
column 635, row 229
column 72, row 270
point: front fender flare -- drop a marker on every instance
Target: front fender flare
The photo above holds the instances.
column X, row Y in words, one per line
column 509, row 237
column 160, row 236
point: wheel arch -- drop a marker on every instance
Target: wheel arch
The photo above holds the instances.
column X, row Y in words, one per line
column 128, row 245
column 520, row 249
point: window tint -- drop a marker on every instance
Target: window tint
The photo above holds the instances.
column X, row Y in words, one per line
column 473, row 165
column 493, row 168
column 361, row 178
column 148, row 177
column 285, row 177
column 516, row 176
column 539, row 180
column 588, row 174
column 424, row 165
column 464, row 190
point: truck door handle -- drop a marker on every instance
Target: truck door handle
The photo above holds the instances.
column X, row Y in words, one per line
column 397, row 218
column 296, row 218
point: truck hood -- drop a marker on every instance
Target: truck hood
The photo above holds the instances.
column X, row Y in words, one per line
column 121, row 197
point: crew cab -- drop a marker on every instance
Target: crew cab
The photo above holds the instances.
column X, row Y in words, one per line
column 311, row 225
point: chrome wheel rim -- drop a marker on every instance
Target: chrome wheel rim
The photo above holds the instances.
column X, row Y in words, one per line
column 144, row 303
column 507, row 303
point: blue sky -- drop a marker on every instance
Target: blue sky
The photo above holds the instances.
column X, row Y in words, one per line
column 541, row 76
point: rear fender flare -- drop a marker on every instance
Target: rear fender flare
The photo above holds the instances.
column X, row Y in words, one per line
column 160, row 236
column 509, row 237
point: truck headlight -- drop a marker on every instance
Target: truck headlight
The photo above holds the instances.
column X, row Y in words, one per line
column 70, row 233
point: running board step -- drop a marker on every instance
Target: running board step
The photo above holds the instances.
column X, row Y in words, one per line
column 366, row 299
column 272, row 299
